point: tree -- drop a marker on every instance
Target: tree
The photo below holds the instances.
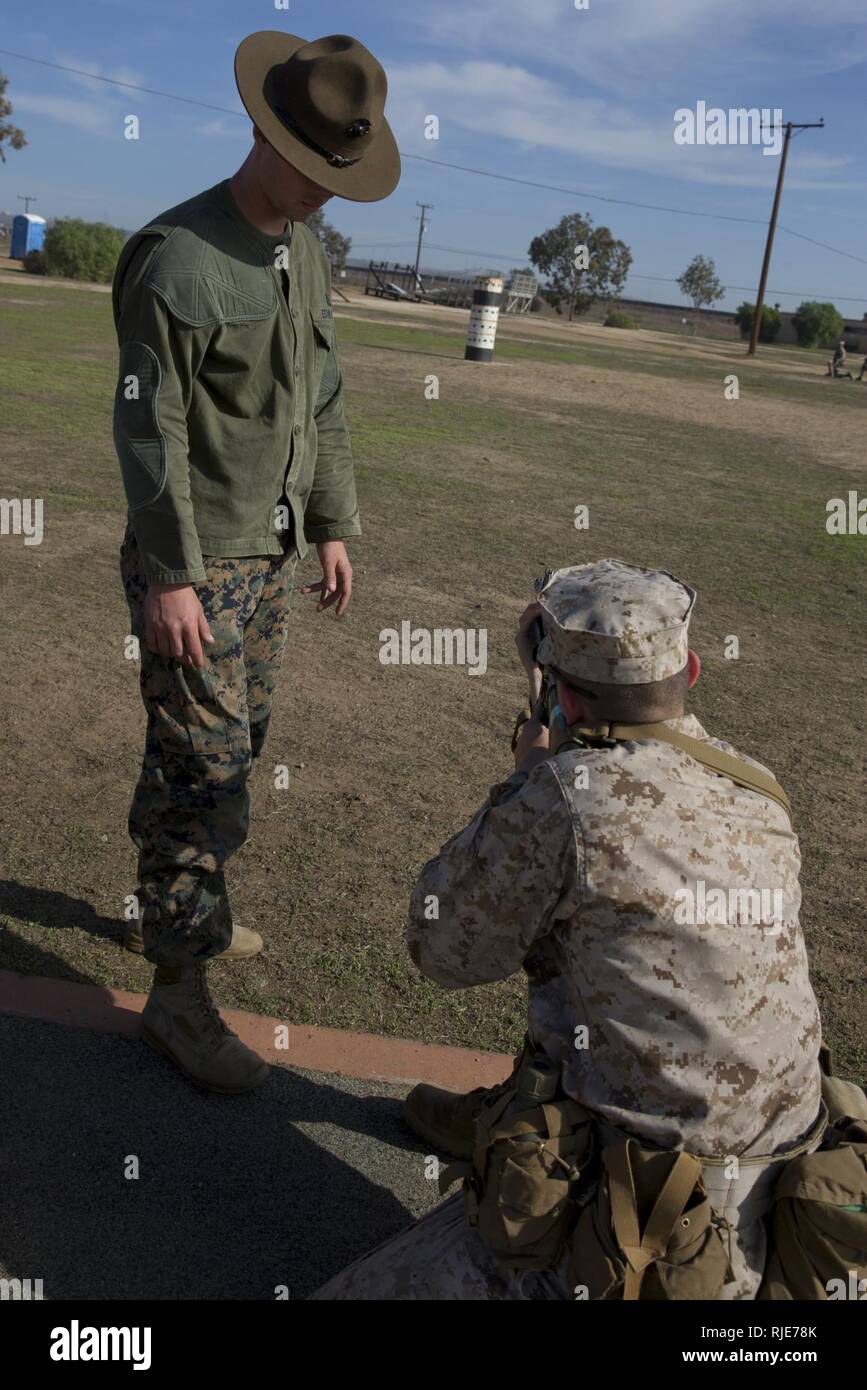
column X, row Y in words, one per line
column 337, row 247
column 81, row 250
column 582, row 263
column 700, row 284
column 772, row 321
column 818, row 324
column 9, row 134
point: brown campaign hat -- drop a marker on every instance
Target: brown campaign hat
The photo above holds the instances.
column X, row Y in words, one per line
column 321, row 106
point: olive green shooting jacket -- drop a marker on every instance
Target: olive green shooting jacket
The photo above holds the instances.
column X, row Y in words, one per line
column 228, row 416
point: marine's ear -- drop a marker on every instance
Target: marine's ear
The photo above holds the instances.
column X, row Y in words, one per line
column 693, row 665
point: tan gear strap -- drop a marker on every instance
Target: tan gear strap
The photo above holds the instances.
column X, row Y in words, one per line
column 487, row 1118
column 642, row 1249
column 460, row 1170
column 741, row 773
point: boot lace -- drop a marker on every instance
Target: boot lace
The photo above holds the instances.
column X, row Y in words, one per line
column 209, row 1009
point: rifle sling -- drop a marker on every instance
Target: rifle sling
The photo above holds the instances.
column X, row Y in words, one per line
column 741, row 773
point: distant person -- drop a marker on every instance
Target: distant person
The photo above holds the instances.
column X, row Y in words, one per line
column 860, row 376
column 658, row 1032
column 837, row 364
column 230, row 431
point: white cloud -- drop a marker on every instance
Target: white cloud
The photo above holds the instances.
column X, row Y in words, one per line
column 225, row 128
column 93, row 117
column 507, row 102
column 99, row 116
column 615, row 42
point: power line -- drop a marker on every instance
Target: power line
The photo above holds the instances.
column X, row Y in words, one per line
column 625, row 202
column 823, row 244
column 492, row 255
column 829, row 294
column 444, row 164
column 578, row 193
column 115, row 82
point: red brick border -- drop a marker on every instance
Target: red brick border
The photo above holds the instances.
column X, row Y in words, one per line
column 363, row 1055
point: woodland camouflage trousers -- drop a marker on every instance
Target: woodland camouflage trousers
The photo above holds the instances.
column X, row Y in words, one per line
column 205, row 728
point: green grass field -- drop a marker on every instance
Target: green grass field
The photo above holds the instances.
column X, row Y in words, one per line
column 464, row 500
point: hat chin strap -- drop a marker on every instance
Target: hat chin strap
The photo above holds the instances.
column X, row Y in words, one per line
column 338, row 161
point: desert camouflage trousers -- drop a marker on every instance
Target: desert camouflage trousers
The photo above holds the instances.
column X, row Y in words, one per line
column 440, row 1258
column 205, row 729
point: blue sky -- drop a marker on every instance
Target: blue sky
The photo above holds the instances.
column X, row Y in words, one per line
column 533, row 88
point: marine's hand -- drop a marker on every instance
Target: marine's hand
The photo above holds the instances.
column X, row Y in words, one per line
column 524, row 643
column 175, row 623
column 532, row 745
column 335, row 586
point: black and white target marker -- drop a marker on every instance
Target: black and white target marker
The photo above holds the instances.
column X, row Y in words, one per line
column 483, row 319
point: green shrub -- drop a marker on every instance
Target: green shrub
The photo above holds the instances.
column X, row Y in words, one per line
column 34, row 263
column 772, row 321
column 616, row 318
column 818, row 325
column 80, row 250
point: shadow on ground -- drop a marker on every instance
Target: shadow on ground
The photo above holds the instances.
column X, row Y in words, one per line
column 235, row 1196
column 47, row 907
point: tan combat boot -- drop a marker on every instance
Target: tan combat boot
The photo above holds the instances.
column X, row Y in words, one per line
column 447, row 1119
column 244, row 942
column 444, row 1119
column 181, row 1020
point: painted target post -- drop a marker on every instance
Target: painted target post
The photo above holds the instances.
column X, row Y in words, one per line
column 483, row 319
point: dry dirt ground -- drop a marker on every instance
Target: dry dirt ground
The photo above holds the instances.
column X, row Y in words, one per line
column 465, row 498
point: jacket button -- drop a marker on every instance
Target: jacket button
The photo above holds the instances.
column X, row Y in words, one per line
column 297, row 429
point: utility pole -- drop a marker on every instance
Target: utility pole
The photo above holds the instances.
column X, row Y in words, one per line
column 26, row 199
column 425, row 207
column 766, row 263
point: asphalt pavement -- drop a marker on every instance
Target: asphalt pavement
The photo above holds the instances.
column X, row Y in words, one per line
column 235, row 1197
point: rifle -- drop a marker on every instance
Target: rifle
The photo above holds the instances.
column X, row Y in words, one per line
column 545, row 707
column 541, row 710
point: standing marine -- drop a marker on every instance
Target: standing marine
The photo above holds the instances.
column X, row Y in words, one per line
column 230, row 431
column 644, row 876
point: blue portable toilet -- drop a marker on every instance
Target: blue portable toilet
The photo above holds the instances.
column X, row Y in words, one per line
column 28, row 234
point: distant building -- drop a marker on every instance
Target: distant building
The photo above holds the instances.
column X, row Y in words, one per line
column 445, row 286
